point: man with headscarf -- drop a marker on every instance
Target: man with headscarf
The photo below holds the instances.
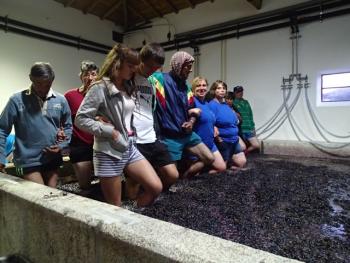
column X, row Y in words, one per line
column 176, row 113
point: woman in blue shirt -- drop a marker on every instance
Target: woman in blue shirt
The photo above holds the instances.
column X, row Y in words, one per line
column 204, row 126
column 226, row 122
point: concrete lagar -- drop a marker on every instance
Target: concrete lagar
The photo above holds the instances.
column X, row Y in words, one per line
column 48, row 225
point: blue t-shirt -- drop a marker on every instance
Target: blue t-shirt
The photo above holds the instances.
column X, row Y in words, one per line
column 226, row 121
column 204, row 126
column 10, row 140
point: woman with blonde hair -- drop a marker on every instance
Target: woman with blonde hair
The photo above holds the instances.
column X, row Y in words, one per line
column 111, row 98
column 227, row 123
column 205, row 125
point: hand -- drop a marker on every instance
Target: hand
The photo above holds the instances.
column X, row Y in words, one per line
column 218, row 139
column 115, row 135
column 195, row 111
column 2, row 168
column 187, row 126
column 60, row 136
column 52, row 149
column 216, row 131
column 103, row 120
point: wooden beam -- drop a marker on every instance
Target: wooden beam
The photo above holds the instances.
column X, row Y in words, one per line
column 125, row 12
column 172, row 6
column 155, row 10
column 256, row 3
column 92, row 6
column 190, row 3
column 137, row 13
column 69, row 3
column 112, row 9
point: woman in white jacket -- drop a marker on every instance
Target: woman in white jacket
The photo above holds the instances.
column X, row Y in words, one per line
column 110, row 99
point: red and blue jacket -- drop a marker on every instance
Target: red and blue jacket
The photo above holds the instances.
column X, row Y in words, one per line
column 174, row 99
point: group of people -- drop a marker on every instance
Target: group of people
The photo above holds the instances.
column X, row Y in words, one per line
column 128, row 118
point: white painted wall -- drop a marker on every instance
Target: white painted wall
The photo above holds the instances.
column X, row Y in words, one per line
column 18, row 53
column 258, row 62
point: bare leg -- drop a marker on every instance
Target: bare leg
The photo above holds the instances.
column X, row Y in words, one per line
column 254, row 144
column 112, row 189
column 239, row 160
column 242, row 144
column 132, row 188
column 219, row 165
column 142, row 171
column 83, row 172
column 34, row 177
column 168, row 175
column 205, row 156
column 194, row 169
column 50, row 178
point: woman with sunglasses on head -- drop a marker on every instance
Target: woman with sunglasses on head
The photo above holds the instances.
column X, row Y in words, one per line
column 80, row 146
column 227, row 123
column 110, row 98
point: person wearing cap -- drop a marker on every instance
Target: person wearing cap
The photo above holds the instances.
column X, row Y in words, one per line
column 43, row 127
column 247, row 126
column 229, row 98
column 80, row 147
column 177, row 115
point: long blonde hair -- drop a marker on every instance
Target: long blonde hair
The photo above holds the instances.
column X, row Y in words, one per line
column 115, row 59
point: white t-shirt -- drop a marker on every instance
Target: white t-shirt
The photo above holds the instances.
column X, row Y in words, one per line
column 128, row 110
column 143, row 112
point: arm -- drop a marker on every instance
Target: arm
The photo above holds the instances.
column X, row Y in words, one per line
column 66, row 125
column 7, row 118
column 251, row 112
column 86, row 115
column 194, row 113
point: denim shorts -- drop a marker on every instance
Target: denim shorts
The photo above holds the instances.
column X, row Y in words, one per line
column 248, row 135
column 228, row 149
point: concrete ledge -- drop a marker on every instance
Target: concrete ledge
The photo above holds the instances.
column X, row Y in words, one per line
column 305, row 149
column 48, row 225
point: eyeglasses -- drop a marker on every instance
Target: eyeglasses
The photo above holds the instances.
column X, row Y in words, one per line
column 88, row 74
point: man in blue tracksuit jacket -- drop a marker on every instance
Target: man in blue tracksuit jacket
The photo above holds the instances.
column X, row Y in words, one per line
column 43, row 127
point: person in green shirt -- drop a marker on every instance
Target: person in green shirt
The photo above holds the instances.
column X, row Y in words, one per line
column 247, row 122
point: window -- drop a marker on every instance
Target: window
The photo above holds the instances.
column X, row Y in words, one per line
column 335, row 87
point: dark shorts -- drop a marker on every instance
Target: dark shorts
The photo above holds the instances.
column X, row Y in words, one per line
column 52, row 165
column 80, row 153
column 228, row 149
column 248, row 135
column 156, row 153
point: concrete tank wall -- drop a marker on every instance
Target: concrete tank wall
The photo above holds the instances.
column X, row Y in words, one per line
column 48, row 225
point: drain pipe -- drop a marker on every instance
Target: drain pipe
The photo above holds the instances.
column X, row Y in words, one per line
column 196, row 55
column 223, row 60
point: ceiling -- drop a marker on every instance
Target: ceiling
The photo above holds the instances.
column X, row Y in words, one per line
column 132, row 13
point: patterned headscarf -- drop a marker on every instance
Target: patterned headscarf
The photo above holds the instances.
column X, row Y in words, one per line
column 178, row 60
